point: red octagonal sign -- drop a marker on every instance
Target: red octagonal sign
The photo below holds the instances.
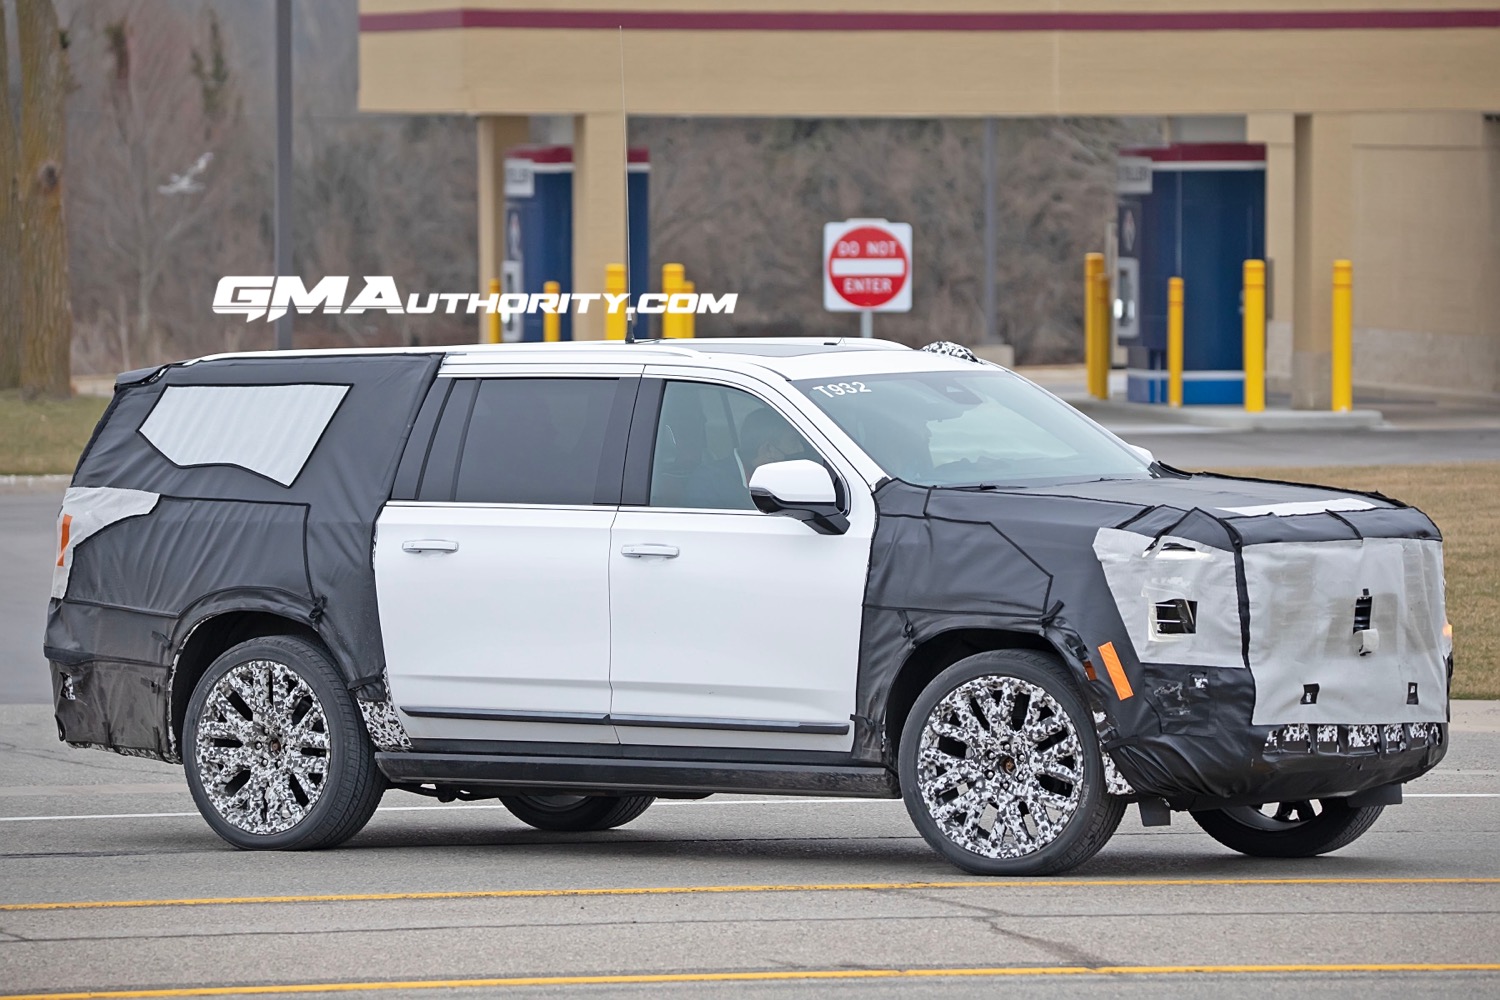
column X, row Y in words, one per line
column 867, row 266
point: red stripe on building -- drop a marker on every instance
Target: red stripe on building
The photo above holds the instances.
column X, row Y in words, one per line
column 642, row 20
column 1199, row 152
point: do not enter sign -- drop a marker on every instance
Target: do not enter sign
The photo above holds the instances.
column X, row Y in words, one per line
column 867, row 266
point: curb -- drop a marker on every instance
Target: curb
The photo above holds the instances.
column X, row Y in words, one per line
column 16, row 483
column 1233, row 418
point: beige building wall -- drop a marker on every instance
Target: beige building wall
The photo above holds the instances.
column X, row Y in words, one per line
column 951, row 58
column 1425, row 242
column 1399, row 168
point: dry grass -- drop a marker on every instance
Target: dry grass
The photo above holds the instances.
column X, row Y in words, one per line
column 47, row 435
column 1461, row 498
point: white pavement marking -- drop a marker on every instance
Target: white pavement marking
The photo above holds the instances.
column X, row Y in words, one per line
column 793, row 801
column 1452, row 795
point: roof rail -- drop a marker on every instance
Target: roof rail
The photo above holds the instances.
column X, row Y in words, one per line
column 477, row 352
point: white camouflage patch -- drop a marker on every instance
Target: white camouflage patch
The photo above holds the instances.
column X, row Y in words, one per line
column 385, row 729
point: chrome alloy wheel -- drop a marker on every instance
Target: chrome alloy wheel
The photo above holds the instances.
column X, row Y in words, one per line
column 262, row 747
column 1000, row 767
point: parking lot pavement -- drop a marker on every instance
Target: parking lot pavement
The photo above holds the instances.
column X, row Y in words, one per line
column 732, row 886
column 1204, row 448
column 1413, row 432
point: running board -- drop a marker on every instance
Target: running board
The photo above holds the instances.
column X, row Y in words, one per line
column 613, row 775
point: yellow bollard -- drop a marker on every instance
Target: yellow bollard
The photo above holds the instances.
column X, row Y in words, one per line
column 614, row 284
column 1255, row 335
column 688, row 320
column 1174, row 342
column 551, row 322
column 1343, row 336
column 1096, row 364
column 671, row 284
column 1102, row 331
column 492, row 332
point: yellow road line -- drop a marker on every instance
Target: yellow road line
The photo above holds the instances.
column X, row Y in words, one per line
column 741, row 977
column 367, row 897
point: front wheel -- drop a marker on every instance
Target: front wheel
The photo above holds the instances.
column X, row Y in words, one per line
column 1302, row 829
column 576, row 813
column 1001, row 770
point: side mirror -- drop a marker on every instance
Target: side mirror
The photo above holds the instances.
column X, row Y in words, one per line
column 800, row 489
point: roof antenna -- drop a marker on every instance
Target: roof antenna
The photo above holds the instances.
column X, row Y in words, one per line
column 625, row 130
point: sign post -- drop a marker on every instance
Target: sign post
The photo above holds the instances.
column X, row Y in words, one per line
column 867, row 266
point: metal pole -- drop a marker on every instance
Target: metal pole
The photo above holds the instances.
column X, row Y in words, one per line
column 492, row 321
column 671, row 284
column 991, row 239
column 1343, row 336
column 551, row 322
column 1095, row 342
column 1174, row 341
column 616, row 322
column 284, row 160
column 1255, row 335
column 866, row 323
column 689, row 327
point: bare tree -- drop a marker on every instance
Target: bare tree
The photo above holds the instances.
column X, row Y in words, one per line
column 742, row 202
column 156, row 112
column 46, row 314
column 10, row 251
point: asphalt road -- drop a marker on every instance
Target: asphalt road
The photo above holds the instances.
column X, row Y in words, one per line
column 765, row 898
column 730, row 886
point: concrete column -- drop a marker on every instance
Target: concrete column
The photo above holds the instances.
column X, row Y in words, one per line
column 1323, row 231
column 496, row 134
column 598, row 210
column 1277, row 132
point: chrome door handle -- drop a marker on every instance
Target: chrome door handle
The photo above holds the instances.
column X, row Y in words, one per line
column 421, row 545
column 649, row 549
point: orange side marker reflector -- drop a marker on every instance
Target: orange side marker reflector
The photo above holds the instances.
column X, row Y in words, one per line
column 1116, row 672
column 62, row 549
column 1448, row 630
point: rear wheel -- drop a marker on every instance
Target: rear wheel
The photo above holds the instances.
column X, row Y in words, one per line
column 1302, row 829
column 574, row 813
column 1000, row 768
column 275, row 750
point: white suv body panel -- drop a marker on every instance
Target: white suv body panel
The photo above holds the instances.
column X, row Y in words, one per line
column 515, row 620
column 756, row 619
column 754, row 623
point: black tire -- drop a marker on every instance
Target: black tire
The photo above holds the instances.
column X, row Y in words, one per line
column 1294, row 830
column 1075, row 827
column 576, row 813
column 299, row 797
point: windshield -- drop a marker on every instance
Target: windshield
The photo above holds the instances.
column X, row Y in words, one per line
column 959, row 428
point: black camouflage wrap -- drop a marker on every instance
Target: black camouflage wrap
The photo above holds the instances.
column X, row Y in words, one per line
column 223, row 538
column 1021, row 560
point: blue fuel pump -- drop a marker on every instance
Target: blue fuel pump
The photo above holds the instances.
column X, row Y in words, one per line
column 539, row 231
column 1195, row 211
